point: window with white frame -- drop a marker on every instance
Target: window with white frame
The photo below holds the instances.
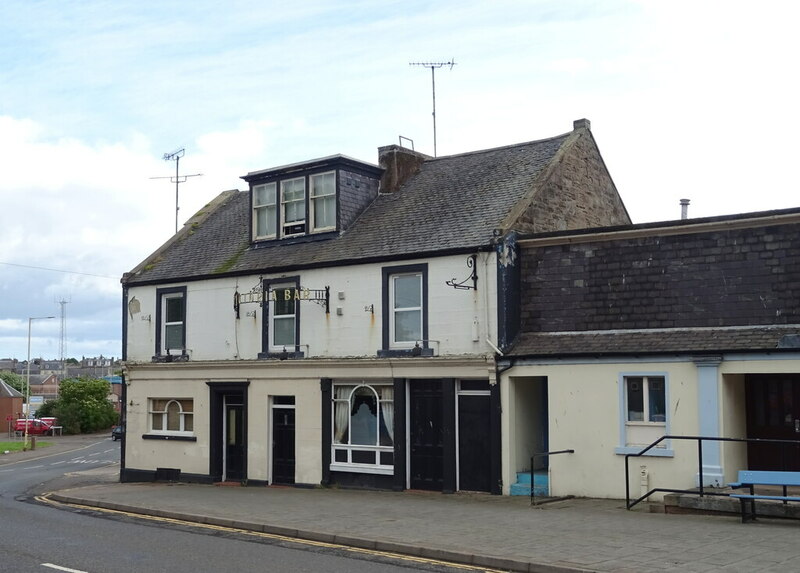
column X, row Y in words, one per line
column 171, row 415
column 323, row 201
column 293, row 206
column 363, row 427
column 405, row 295
column 171, row 318
column 264, row 211
column 644, row 403
column 284, row 317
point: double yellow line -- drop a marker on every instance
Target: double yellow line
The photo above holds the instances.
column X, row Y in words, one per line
column 45, row 498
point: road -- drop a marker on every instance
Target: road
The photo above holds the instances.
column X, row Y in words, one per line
column 37, row 537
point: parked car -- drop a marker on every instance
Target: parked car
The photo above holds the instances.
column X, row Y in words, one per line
column 117, row 432
column 36, row 427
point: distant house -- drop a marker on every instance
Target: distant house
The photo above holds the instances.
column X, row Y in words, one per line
column 11, row 402
column 339, row 322
column 631, row 333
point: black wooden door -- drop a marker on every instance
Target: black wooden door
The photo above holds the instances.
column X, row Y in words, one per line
column 426, row 439
column 234, row 442
column 474, row 444
column 283, row 460
column 773, row 412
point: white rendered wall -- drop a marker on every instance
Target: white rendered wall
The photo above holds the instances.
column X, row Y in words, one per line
column 213, row 332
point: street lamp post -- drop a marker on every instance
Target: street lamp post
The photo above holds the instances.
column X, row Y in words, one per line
column 28, row 381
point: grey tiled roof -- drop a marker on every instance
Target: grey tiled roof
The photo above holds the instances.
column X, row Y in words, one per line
column 657, row 341
column 454, row 202
column 6, row 391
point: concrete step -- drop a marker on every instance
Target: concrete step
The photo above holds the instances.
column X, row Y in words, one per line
column 539, row 479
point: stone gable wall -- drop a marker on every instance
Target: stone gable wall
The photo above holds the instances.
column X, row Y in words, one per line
column 579, row 193
column 722, row 278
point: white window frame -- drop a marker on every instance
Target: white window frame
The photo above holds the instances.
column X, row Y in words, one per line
column 182, row 416
column 394, row 309
column 273, row 317
column 349, row 448
column 268, row 208
column 285, row 203
column 165, row 298
column 634, row 436
column 314, row 197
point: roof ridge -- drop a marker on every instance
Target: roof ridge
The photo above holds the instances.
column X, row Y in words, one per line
column 501, row 147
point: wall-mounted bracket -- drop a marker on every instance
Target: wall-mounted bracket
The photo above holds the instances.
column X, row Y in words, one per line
column 471, row 264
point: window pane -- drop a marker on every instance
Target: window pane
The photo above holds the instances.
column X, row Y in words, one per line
column 188, row 422
column 265, row 221
column 283, row 306
column 174, row 336
column 174, row 310
column 363, row 457
column 364, row 418
column 293, row 190
column 159, row 405
column 407, row 292
column 158, row 421
column 325, row 212
column 173, row 416
column 407, row 325
column 635, row 399
column 264, row 194
column 284, row 331
column 294, row 211
column 323, row 184
column 656, row 400
column 340, row 456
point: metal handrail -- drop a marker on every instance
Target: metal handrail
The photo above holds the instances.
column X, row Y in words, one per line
column 539, row 455
column 699, row 440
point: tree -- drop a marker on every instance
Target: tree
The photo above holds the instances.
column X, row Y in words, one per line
column 82, row 405
column 14, row 380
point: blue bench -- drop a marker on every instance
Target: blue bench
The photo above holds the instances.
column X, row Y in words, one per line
column 752, row 478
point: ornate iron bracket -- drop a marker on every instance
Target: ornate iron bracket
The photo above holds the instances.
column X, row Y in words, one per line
column 471, row 264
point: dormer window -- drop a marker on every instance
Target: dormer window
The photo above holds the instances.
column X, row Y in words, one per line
column 323, row 201
column 310, row 201
column 293, row 207
column 264, row 213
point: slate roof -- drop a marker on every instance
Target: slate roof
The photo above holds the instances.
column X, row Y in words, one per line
column 6, row 391
column 453, row 204
column 658, row 341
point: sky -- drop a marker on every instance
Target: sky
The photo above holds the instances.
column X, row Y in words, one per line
column 687, row 99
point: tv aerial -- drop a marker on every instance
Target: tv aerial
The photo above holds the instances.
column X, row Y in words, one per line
column 434, row 66
column 177, row 179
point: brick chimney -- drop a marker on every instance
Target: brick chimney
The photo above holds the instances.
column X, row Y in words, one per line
column 399, row 164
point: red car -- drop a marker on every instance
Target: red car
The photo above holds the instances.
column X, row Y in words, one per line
column 36, row 427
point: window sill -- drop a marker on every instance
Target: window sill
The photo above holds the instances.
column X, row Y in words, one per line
column 362, row 469
column 169, row 437
column 281, row 355
column 653, row 452
column 170, row 358
column 405, row 352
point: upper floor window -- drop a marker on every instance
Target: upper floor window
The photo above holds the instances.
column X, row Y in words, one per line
column 405, row 294
column 264, row 211
column 405, row 312
column 293, row 206
column 284, row 318
column 323, row 201
column 171, row 321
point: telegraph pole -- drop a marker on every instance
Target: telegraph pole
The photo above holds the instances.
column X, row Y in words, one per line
column 434, row 66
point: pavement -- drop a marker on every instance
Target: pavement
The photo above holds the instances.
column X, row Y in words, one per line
column 497, row 532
